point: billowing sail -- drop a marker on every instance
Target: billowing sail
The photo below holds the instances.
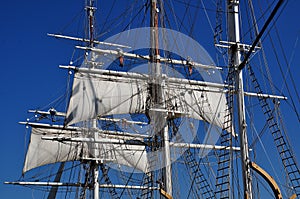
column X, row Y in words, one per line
column 49, row 146
column 198, row 102
column 99, row 95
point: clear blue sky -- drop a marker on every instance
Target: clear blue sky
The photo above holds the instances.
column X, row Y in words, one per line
column 31, row 77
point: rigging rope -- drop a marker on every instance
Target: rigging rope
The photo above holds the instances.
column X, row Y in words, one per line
column 287, row 71
column 290, row 61
column 257, row 39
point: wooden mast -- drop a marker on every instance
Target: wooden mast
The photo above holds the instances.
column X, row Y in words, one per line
column 160, row 124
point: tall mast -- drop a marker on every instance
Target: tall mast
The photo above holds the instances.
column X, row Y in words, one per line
column 160, row 124
column 235, row 61
column 91, row 9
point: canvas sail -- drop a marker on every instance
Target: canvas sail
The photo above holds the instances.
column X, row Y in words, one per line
column 198, row 102
column 97, row 94
column 100, row 95
column 49, row 146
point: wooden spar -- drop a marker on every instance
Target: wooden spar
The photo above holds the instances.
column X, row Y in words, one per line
column 202, row 146
column 93, row 140
column 73, row 128
column 170, row 80
column 60, row 114
column 81, row 185
column 119, row 141
column 265, row 95
column 86, row 40
column 147, row 57
column 143, row 76
column 115, row 135
column 122, row 121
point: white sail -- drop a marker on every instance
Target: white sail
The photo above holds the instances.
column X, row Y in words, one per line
column 198, row 102
column 99, row 95
column 49, row 146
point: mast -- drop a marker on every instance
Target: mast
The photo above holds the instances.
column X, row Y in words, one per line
column 95, row 164
column 90, row 13
column 159, row 118
column 90, row 8
column 235, row 61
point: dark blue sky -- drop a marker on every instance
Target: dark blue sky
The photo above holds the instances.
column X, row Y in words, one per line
column 30, row 77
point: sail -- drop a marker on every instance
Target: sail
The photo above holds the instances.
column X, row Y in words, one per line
column 199, row 102
column 103, row 94
column 98, row 94
column 48, row 145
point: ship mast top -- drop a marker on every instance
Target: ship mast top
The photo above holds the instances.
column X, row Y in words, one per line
column 91, row 9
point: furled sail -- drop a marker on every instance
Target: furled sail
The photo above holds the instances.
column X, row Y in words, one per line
column 48, row 145
column 108, row 94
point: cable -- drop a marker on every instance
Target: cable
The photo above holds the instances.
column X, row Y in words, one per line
column 282, row 73
column 246, row 57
